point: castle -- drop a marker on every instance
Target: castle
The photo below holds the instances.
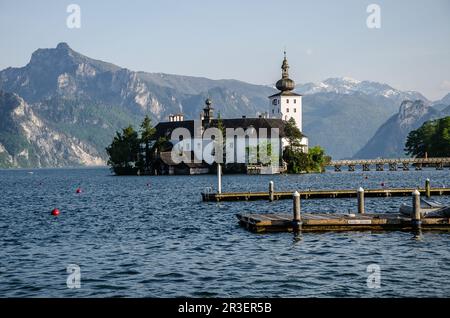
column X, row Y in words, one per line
column 284, row 105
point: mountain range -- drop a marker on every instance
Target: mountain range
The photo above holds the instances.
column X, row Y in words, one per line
column 70, row 107
column 389, row 140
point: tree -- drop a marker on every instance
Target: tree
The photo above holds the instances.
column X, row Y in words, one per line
column 293, row 155
column 317, row 159
column 297, row 160
column 292, row 134
column 220, row 125
column 432, row 138
column 124, row 152
column 147, row 136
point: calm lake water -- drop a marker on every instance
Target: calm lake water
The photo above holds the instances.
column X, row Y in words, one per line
column 153, row 237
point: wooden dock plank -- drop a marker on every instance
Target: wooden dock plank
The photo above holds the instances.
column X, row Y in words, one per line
column 318, row 194
column 337, row 222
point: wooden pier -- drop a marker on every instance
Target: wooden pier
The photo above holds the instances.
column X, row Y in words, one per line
column 283, row 222
column 360, row 221
column 392, row 164
column 317, row 194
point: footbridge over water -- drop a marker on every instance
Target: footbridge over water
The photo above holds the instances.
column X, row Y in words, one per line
column 404, row 164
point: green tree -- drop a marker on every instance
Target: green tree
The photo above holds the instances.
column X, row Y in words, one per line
column 220, row 125
column 297, row 161
column 317, row 159
column 432, row 139
column 147, row 132
column 292, row 134
column 124, row 152
column 293, row 155
column 300, row 162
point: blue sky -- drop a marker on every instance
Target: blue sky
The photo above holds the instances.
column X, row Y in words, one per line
column 244, row 39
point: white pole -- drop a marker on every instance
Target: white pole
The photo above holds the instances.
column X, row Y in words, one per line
column 428, row 188
column 219, row 178
column 361, row 201
column 271, row 187
column 415, row 215
column 297, row 221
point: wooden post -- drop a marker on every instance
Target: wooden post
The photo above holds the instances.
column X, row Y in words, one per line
column 428, row 188
column 219, row 178
column 271, row 187
column 361, row 208
column 415, row 214
column 297, row 221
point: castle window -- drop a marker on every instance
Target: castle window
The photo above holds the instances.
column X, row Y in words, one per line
column 273, row 111
column 287, row 101
column 274, row 102
column 295, row 110
column 278, row 110
column 295, row 101
column 287, row 110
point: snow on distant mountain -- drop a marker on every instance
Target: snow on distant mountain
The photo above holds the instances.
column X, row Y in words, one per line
column 86, row 101
column 347, row 85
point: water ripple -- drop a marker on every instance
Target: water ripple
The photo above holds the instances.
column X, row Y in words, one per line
column 153, row 237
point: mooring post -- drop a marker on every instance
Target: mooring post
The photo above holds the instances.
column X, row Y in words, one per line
column 415, row 214
column 361, row 208
column 271, row 187
column 219, row 178
column 297, row 221
column 428, row 188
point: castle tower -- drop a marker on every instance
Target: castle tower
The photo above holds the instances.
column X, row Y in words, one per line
column 286, row 104
column 208, row 111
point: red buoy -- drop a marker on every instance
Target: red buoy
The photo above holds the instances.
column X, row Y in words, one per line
column 78, row 191
column 55, row 212
column 382, row 184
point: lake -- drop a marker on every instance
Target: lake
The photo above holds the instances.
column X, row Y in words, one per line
column 153, row 237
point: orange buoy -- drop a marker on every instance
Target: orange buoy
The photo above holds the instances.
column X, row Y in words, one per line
column 55, row 212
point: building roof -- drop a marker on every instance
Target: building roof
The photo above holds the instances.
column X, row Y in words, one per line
column 164, row 129
column 166, row 157
column 285, row 93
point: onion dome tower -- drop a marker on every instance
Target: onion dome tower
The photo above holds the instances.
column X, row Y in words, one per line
column 286, row 104
column 208, row 111
column 285, row 84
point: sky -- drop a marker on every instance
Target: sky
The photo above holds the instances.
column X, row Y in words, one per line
column 245, row 39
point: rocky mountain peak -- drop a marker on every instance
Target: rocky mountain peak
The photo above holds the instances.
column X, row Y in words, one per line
column 64, row 59
column 390, row 138
column 62, row 53
column 63, row 46
column 411, row 111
